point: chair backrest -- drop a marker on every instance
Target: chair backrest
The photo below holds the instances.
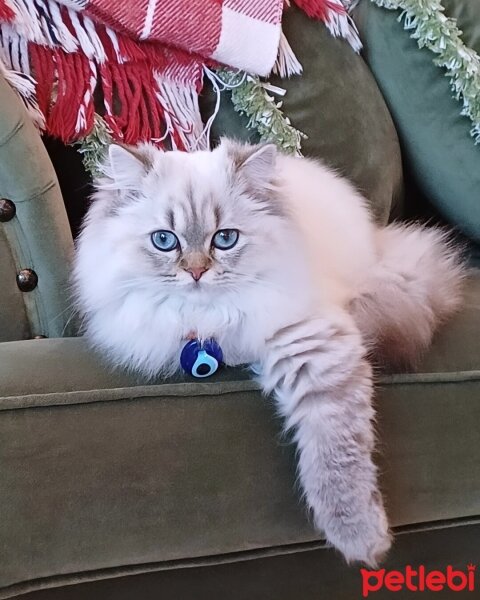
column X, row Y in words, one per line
column 35, row 240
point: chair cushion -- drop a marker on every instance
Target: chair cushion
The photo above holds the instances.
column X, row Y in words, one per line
column 297, row 572
column 103, row 474
column 435, row 138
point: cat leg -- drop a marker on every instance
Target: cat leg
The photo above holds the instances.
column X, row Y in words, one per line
column 323, row 385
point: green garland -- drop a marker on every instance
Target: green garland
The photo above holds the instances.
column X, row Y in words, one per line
column 250, row 97
column 440, row 34
column 94, row 146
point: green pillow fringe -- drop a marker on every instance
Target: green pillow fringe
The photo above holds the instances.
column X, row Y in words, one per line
column 434, row 30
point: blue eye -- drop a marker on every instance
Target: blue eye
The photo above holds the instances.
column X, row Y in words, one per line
column 225, row 239
column 164, row 240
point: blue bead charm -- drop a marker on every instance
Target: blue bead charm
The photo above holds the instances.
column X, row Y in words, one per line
column 201, row 359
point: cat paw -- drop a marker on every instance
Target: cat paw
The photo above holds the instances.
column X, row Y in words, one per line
column 364, row 537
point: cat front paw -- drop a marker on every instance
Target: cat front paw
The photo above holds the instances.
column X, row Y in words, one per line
column 362, row 537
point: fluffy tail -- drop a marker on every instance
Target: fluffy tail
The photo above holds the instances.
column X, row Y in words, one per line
column 416, row 286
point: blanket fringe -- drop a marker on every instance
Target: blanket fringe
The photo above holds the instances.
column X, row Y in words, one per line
column 14, row 50
column 182, row 114
column 24, row 85
column 140, row 101
column 335, row 16
column 28, row 22
column 287, row 63
column 7, row 12
column 87, row 73
column 87, row 36
column 147, row 92
column 86, row 110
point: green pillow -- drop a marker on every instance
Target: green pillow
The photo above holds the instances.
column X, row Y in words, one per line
column 435, row 138
column 337, row 103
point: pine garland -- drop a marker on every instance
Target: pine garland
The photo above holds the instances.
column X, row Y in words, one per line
column 94, row 146
column 250, row 97
column 440, row 34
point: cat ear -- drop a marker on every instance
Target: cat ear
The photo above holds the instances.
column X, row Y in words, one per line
column 128, row 165
column 260, row 165
column 255, row 163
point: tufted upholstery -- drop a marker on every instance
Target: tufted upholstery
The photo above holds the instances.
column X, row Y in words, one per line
column 36, row 236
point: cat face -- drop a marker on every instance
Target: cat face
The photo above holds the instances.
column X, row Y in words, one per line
column 193, row 221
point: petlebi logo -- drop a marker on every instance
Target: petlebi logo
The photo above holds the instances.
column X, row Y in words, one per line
column 418, row 579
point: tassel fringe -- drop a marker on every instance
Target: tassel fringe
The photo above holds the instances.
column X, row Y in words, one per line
column 287, row 63
column 81, row 80
column 335, row 16
column 184, row 122
column 25, row 87
column 71, row 57
column 7, row 13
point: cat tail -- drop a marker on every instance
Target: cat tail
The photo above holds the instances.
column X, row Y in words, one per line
column 416, row 286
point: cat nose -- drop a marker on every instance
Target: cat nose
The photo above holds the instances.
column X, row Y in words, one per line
column 196, row 272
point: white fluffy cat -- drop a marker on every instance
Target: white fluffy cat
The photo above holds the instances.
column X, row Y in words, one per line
column 276, row 258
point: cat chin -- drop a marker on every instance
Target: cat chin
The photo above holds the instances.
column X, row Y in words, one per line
column 194, row 286
column 204, row 288
column 205, row 281
column 195, row 291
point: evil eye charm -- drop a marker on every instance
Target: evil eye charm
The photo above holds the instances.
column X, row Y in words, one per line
column 201, row 359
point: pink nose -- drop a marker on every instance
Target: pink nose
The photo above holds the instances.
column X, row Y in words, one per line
column 196, row 272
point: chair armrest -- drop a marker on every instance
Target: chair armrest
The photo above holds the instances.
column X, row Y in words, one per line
column 37, row 236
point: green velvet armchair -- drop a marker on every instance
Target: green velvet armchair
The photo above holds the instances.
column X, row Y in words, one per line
column 111, row 487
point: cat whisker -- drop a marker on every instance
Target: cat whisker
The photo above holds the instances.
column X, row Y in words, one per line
column 73, row 314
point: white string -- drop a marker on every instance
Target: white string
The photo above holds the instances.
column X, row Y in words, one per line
column 219, row 86
column 208, row 125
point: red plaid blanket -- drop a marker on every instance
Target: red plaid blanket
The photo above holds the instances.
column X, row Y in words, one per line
column 139, row 63
column 239, row 33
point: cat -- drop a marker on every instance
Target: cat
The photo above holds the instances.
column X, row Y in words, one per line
column 278, row 259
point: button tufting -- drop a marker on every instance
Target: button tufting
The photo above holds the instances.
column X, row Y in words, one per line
column 27, row 280
column 7, row 210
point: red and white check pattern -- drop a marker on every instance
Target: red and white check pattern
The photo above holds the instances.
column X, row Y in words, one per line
column 240, row 33
column 145, row 57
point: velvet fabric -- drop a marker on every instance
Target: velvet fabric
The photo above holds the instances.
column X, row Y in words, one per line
column 14, row 324
column 38, row 237
column 104, row 474
column 297, row 572
column 439, row 152
column 113, row 488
